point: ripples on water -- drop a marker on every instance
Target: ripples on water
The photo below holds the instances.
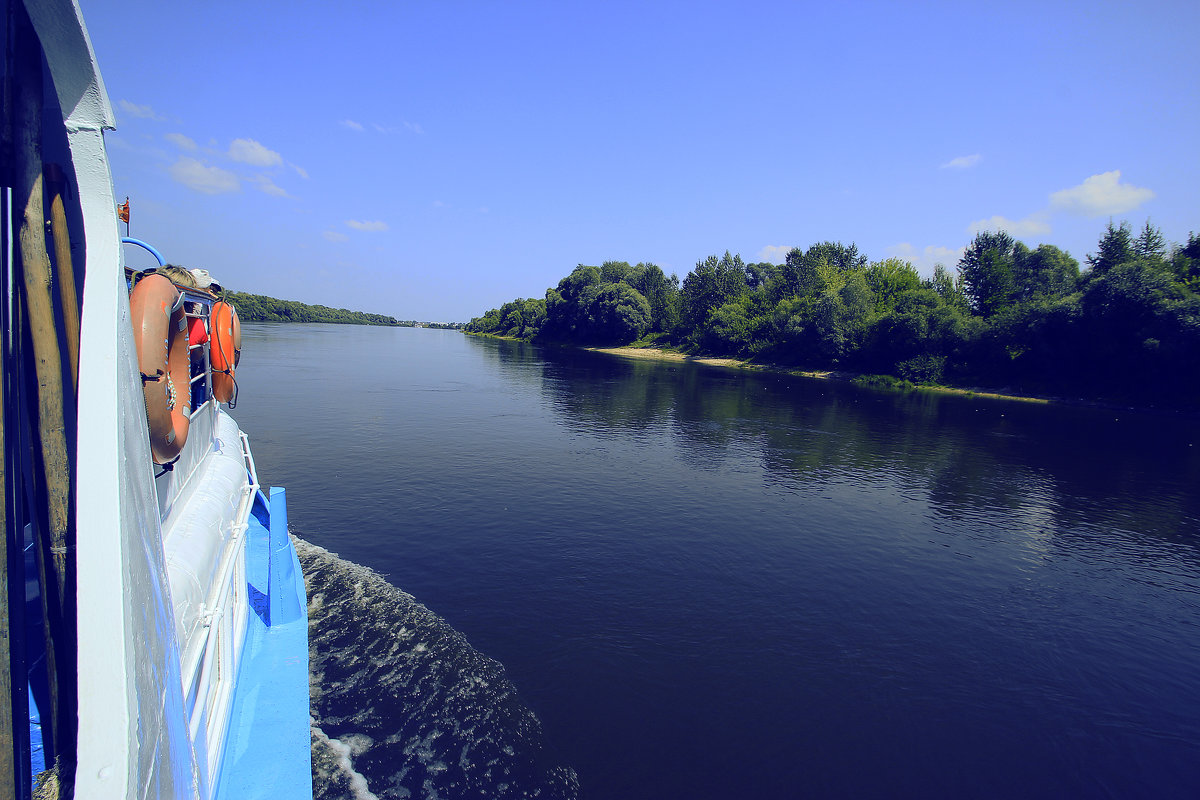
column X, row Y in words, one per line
column 403, row 706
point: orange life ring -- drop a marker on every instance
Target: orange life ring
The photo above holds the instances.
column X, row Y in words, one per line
column 225, row 351
column 160, row 333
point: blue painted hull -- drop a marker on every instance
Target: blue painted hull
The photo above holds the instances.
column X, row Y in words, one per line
column 268, row 750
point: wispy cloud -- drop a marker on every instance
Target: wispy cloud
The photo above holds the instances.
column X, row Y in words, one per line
column 268, row 186
column 141, row 112
column 387, row 130
column 962, row 162
column 201, row 177
column 926, row 259
column 181, row 141
column 366, row 225
column 1032, row 225
column 352, row 125
column 301, row 171
column 1101, row 195
column 1098, row 196
column 334, row 236
column 248, row 151
column 774, row 253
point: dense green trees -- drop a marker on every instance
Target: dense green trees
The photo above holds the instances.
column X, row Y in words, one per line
column 596, row 305
column 1116, row 247
column 520, row 319
column 260, row 308
column 1046, row 272
column 619, row 313
column 888, row 280
column 1186, row 264
column 1128, row 327
column 987, row 269
column 803, row 269
column 713, row 283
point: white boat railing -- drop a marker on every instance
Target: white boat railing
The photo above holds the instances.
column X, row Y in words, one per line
column 213, row 653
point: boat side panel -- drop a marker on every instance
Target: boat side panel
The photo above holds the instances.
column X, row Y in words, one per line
column 133, row 740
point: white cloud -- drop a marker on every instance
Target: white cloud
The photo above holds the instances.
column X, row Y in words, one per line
column 1033, row 225
column 963, row 162
column 352, row 125
column 774, row 253
column 248, row 151
column 925, row 260
column 936, row 254
column 203, row 178
column 181, row 141
column 411, row 127
column 268, row 186
column 334, row 236
column 301, row 171
column 366, row 225
column 141, row 112
column 1101, row 195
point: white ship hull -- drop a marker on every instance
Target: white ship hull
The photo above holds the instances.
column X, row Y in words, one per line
column 190, row 620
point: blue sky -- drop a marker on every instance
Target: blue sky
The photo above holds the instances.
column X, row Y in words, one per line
column 432, row 160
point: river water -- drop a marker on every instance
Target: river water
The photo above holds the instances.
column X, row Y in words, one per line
column 703, row 583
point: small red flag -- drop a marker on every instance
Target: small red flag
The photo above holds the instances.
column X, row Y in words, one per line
column 123, row 211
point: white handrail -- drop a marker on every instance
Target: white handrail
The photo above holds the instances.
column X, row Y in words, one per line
column 214, row 603
column 249, row 457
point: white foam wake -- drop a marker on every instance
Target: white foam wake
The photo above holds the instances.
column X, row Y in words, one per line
column 404, row 707
column 334, row 770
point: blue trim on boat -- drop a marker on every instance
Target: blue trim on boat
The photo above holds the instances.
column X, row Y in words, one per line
column 284, row 568
column 269, row 748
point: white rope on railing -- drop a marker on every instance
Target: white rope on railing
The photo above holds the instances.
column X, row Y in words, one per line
column 198, row 655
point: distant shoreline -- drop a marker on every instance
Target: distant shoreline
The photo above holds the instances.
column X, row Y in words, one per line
column 658, row 354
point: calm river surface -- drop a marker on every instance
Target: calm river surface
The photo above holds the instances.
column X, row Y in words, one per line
column 713, row 584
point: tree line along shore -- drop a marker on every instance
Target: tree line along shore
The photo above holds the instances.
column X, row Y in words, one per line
column 1124, row 327
column 260, row 308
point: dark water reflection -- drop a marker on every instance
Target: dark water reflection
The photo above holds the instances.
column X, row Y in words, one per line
column 1119, row 469
column 718, row 584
